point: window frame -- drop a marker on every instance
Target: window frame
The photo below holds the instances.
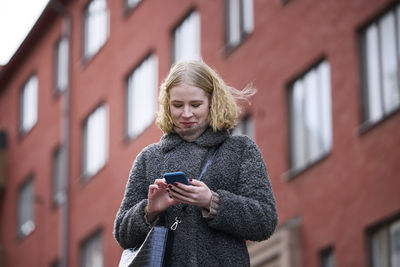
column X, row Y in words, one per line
column 23, row 131
column 95, row 236
column 383, row 225
column 366, row 122
column 85, row 175
column 29, row 181
column 57, row 194
column 152, row 57
column 327, row 252
column 57, row 88
column 310, row 162
column 174, row 31
column 243, row 33
column 87, row 55
column 246, row 122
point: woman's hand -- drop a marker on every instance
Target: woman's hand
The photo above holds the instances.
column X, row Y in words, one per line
column 198, row 194
column 158, row 199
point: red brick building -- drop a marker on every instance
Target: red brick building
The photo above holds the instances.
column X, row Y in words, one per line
column 326, row 118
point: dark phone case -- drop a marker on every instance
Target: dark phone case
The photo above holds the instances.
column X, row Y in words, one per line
column 179, row 177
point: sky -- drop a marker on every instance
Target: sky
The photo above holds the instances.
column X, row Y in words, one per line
column 17, row 17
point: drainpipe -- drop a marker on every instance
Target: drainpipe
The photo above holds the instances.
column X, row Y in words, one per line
column 65, row 139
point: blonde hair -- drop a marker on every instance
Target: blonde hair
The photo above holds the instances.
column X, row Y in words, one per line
column 224, row 109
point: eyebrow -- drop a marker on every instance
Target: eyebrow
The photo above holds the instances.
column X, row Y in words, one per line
column 180, row 101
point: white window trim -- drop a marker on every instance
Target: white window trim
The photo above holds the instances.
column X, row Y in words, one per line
column 240, row 21
column 305, row 152
column 29, row 104
column 91, row 145
column 97, row 259
column 90, row 48
column 183, row 33
column 62, row 64
column 377, row 105
column 245, row 126
column 380, row 240
column 137, row 92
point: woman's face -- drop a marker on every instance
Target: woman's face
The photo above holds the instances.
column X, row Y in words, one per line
column 189, row 106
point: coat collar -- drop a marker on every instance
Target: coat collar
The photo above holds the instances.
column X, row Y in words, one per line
column 208, row 138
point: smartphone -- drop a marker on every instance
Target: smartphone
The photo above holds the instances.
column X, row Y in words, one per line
column 178, row 177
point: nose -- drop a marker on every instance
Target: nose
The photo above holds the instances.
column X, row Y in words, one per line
column 187, row 112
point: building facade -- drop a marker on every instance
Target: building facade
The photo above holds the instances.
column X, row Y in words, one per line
column 78, row 101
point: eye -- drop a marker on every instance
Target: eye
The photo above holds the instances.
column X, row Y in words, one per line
column 196, row 105
column 177, row 105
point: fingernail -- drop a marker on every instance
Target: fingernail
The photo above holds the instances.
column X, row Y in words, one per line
column 175, row 184
column 169, row 186
column 190, row 180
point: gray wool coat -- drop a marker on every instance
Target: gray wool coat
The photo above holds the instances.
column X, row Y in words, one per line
column 237, row 173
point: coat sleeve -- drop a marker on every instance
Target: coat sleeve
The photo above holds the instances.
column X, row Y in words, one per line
column 130, row 228
column 249, row 211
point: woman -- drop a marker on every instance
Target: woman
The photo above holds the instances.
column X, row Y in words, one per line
column 232, row 203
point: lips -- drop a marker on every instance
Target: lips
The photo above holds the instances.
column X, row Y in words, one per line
column 188, row 124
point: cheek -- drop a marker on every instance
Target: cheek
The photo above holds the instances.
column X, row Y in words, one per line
column 204, row 113
column 174, row 113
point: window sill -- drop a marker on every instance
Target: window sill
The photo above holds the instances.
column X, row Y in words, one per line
column 229, row 48
column 22, row 236
column 57, row 93
column 293, row 173
column 367, row 126
column 129, row 10
column 22, row 134
column 86, row 178
column 87, row 59
column 130, row 138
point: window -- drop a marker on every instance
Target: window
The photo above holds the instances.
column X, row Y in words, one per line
column 62, row 64
column 141, row 99
column 56, row 263
column 59, row 175
column 187, row 38
column 240, row 21
column 327, row 258
column 380, row 52
column 384, row 245
column 96, row 27
column 310, row 112
column 131, row 3
column 95, row 142
column 3, row 162
column 91, row 252
column 26, row 222
column 282, row 249
column 244, row 127
column 29, row 105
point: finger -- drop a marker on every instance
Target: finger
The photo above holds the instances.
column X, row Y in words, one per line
column 160, row 182
column 179, row 197
column 195, row 182
column 178, row 190
column 183, row 189
column 152, row 188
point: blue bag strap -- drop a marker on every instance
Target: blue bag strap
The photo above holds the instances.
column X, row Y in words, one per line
column 209, row 160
